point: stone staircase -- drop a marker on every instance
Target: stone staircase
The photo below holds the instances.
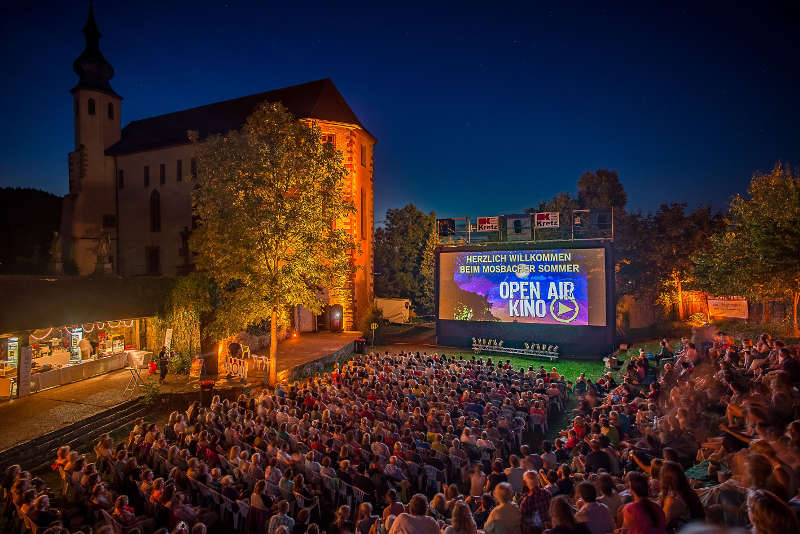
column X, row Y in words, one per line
column 42, row 450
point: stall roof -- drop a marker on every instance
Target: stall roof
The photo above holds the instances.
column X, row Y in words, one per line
column 33, row 302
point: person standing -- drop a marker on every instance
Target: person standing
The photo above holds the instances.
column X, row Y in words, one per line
column 163, row 360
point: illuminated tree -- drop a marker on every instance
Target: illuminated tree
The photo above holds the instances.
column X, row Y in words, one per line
column 183, row 309
column 762, row 242
column 267, row 203
column 427, row 272
column 674, row 238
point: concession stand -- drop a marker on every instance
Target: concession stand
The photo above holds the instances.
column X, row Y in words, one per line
column 69, row 353
column 55, row 331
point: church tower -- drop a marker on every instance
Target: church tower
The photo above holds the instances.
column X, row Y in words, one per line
column 89, row 221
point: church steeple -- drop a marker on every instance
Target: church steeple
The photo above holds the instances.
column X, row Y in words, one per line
column 93, row 71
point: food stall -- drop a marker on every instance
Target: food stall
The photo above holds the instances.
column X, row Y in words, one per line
column 70, row 353
column 58, row 329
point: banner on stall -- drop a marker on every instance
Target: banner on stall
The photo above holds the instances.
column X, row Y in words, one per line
column 236, row 367
column 24, row 372
column 731, row 308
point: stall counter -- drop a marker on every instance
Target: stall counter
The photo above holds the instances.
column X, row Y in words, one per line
column 73, row 373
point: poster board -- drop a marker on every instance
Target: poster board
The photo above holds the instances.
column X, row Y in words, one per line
column 731, row 308
column 547, row 219
column 488, row 224
column 236, row 367
column 198, row 366
column 24, row 372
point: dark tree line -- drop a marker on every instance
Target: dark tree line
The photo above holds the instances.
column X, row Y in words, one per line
column 28, row 218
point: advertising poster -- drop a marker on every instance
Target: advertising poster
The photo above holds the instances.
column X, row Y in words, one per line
column 733, row 308
column 24, row 372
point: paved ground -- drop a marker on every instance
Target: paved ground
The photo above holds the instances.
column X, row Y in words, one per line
column 26, row 418
column 310, row 347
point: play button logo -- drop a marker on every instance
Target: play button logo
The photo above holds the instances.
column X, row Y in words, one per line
column 564, row 310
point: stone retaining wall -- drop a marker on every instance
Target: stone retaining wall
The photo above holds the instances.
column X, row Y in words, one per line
column 316, row 366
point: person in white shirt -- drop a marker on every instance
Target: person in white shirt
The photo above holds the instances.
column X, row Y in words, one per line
column 477, row 481
column 515, row 473
column 549, row 460
column 415, row 521
column 596, row 515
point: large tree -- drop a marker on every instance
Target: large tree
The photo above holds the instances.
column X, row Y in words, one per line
column 267, row 203
column 427, row 272
column 400, row 247
column 675, row 237
column 601, row 190
column 28, row 220
column 762, row 241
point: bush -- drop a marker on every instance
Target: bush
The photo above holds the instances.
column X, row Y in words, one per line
column 151, row 390
column 742, row 329
column 180, row 364
column 698, row 319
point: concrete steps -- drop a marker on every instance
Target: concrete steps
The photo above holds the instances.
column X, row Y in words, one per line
column 42, row 450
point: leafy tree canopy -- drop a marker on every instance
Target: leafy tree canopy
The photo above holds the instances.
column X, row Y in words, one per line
column 758, row 253
column 267, row 202
column 400, row 251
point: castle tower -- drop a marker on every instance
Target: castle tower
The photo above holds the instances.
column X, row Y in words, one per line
column 89, row 215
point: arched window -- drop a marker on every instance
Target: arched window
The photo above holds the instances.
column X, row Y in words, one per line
column 91, row 106
column 110, row 110
column 155, row 211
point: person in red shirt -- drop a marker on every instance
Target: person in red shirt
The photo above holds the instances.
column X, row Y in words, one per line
column 642, row 516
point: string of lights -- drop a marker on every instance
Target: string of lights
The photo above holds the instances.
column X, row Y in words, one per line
column 87, row 328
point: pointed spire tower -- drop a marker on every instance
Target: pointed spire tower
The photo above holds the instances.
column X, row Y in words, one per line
column 89, row 208
column 93, row 71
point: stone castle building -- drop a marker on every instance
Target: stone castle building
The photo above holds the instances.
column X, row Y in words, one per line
column 129, row 204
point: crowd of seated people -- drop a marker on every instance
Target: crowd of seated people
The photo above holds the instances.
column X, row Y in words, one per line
column 417, row 443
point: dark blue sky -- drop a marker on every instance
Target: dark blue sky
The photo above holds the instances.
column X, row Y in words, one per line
column 477, row 111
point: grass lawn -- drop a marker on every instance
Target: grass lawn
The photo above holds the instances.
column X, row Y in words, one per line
column 571, row 369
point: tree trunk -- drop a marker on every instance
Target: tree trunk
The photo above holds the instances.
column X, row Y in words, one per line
column 208, row 347
column 273, row 349
column 680, row 297
column 208, row 351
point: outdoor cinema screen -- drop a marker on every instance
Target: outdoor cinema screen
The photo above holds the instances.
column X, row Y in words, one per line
column 556, row 287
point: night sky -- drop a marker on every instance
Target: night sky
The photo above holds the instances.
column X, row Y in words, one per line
column 477, row 111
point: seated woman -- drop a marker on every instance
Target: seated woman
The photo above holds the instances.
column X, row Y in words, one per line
column 101, row 498
column 126, row 516
column 41, row 513
column 183, row 511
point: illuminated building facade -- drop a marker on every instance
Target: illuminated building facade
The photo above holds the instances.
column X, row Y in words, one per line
column 130, row 188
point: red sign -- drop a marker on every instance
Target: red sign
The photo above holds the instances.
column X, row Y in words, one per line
column 547, row 219
column 488, row 224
